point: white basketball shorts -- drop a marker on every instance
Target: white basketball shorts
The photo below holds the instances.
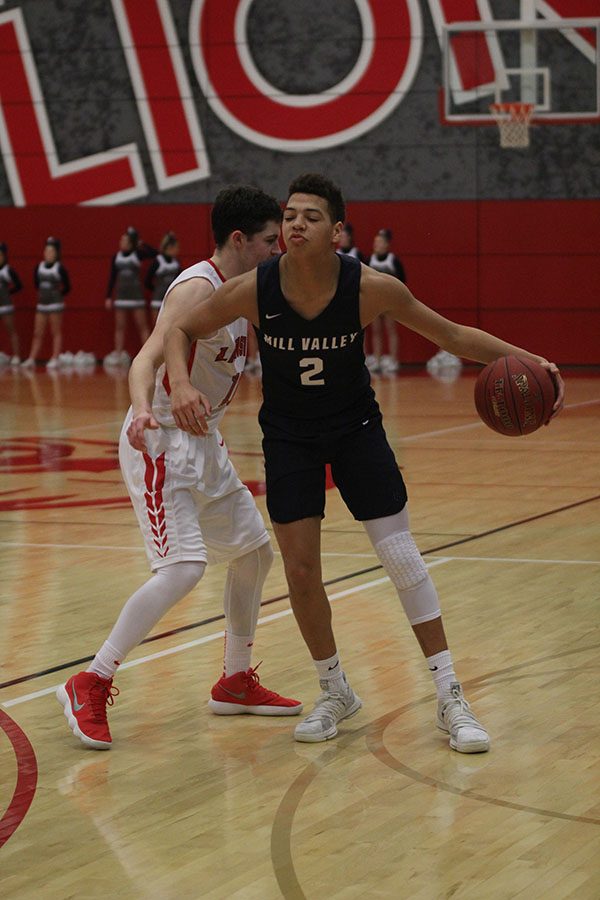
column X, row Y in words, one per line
column 188, row 499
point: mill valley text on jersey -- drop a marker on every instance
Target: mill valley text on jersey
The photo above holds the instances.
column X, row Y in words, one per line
column 309, row 360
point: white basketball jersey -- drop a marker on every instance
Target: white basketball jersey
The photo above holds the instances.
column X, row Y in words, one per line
column 215, row 364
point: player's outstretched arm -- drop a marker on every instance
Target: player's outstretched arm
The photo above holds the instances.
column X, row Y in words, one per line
column 235, row 299
column 384, row 294
column 141, row 390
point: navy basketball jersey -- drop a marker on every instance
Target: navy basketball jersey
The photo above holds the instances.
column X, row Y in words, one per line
column 312, row 368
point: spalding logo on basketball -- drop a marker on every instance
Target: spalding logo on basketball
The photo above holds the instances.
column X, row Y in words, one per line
column 514, row 396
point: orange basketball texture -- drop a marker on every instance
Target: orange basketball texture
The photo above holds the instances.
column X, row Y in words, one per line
column 514, row 396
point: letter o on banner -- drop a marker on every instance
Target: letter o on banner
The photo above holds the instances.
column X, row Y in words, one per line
column 392, row 37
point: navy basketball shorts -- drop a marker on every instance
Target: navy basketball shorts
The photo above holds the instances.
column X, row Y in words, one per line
column 363, row 467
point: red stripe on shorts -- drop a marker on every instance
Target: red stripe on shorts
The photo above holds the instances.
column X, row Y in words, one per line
column 154, row 479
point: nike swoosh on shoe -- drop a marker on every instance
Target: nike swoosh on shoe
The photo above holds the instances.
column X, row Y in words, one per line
column 241, row 696
column 76, row 704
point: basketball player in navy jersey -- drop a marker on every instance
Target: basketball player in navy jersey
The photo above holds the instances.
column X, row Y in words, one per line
column 52, row 282
column 310, row 307
column 191, row 506
column 10, row 284
column 383, row 260
column 125, row 279
column 163, row 271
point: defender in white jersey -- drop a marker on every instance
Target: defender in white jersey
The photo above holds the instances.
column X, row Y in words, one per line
column 187, row 496
column 191, row 506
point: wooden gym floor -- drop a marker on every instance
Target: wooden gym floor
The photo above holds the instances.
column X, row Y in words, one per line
column 190, row 805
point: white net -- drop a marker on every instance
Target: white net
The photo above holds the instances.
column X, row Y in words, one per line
column 513, row 120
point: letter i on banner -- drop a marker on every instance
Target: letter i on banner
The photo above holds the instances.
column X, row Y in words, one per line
column 34, row 174
column 162, row 91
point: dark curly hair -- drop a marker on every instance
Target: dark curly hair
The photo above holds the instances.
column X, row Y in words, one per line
column 313, row 183
column 244, row 208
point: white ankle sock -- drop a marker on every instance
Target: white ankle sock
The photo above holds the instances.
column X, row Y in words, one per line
column 330, row 670
column 442, row 670
column 238, row 652
column 106, row 661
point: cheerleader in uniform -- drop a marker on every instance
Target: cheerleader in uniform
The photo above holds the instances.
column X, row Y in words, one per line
column 126, row 282
column 51, row 280
column 10, row 284
column 346, row 245
column 163, row 271
column 383, row 260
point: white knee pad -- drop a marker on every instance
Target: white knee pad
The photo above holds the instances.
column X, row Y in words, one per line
column 400, row 557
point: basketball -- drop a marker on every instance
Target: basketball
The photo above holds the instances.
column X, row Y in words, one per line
column 514, row 396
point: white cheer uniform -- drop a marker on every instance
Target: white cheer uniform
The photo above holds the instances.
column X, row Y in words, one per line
column 189, row 501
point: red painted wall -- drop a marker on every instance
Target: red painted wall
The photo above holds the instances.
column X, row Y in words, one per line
column 527, row 270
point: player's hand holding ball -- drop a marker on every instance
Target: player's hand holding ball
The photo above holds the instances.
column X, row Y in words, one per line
column 516, row 396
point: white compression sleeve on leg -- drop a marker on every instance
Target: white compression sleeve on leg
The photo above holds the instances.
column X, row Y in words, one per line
column 144, row 609
column 400, row 557
column 243, row 589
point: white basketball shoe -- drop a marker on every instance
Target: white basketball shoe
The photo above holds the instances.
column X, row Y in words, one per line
column 454, row 716
column 331, row 707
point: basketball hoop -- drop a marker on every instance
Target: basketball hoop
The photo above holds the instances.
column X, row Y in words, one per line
column 513, row 120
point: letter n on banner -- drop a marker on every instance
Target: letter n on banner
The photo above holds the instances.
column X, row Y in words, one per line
column 162, row 91
column 584, row 39
column 476, row 60
column 35, row 175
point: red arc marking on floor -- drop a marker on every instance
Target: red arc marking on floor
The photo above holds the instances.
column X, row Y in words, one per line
column 27, row 773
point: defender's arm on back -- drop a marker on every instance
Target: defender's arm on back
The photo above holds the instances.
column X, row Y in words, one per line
column 384, row 294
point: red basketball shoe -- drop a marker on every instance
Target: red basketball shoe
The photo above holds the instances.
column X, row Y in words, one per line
column 84, row 699
column 243, row 693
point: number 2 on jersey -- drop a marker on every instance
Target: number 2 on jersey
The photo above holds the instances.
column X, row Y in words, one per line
column 314, row 367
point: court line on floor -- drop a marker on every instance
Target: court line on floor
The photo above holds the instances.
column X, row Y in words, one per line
column 373, row 734
column 511, row 559
column 411, row 437
column 135, row 549
column 471, row 425
column 27, row 777
column 369, row 569
column 215, row 636
column 517, row 559
column 436, row 560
